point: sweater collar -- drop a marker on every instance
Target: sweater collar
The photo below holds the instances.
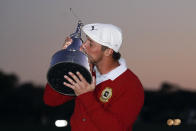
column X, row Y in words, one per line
column 113, row 74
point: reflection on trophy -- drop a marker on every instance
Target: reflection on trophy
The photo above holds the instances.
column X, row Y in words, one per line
column 67, row 60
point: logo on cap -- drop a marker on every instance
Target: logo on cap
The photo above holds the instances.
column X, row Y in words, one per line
column 93, row 28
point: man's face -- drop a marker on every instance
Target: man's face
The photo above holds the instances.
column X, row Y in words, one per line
column 93, row 50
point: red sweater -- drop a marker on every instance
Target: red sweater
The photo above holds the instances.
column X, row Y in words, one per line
column 113, row 106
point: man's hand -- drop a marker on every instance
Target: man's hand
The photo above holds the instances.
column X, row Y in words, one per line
column 79, row 85
column 67, row 42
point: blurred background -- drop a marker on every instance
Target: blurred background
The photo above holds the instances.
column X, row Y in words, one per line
column 169, row 108
column 158, row 45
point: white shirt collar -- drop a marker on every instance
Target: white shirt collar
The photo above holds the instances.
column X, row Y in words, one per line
column 113, row 74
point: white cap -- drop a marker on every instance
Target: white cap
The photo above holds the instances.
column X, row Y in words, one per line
column 104, row 34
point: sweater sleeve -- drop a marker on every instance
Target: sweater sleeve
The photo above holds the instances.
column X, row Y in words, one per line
column 116, row 115
column 53, row 98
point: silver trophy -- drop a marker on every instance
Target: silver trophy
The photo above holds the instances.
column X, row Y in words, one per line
column 67, row 60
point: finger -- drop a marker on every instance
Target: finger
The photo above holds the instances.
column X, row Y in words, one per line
column 78, row 84
column 65, row 45
column 81, row 77
column 69, row 79
column 74, row 77
column 68, row 39
column 67, row 42
column 75, row 83
column 69, row 85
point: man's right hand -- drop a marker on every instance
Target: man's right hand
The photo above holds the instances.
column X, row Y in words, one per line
column 67, row 42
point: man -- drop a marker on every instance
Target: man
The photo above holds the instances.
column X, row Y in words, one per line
column 114, row 99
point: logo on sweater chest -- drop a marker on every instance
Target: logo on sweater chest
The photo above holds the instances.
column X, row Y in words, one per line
column 106, row 94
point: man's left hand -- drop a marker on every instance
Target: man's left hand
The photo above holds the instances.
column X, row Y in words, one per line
column 79, row 85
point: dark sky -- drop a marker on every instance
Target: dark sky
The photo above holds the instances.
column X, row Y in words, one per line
column 159, row 36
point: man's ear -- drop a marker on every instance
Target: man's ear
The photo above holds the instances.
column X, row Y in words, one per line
column 108, row 52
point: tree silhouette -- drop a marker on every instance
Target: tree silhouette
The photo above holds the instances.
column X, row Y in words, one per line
column 7, row 82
